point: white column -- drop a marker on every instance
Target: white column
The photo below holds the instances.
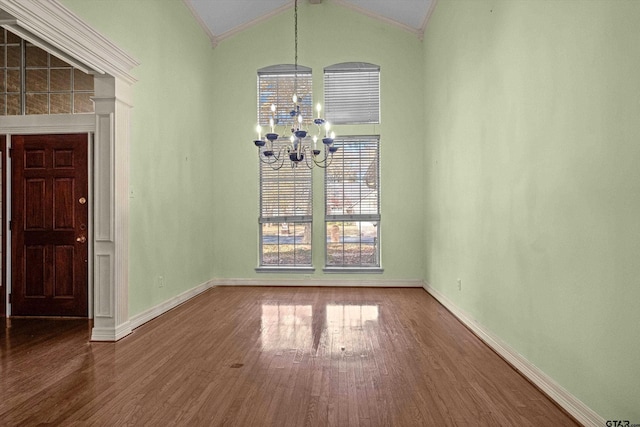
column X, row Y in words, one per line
column 111, row 209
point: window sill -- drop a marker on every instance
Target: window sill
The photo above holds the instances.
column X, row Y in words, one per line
column 277, row 269
column 355, row 270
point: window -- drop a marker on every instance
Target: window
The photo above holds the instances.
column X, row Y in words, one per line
column 352, row 204
column 286, row 197
column 285, row 216
column 33, row 81
column 352, row 93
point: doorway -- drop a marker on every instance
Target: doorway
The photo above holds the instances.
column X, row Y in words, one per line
column 49, row 225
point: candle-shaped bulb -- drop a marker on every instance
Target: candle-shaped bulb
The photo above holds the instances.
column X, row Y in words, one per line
column 315, row 141
column 271, row 124
column 259, row 130
column 300, row 118
column 333, row 135
column 273, row 108
column 318, row 109
column 295, row 98
column 327, row 126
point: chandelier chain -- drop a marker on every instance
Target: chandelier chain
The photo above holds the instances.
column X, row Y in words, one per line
column 300, row 150
column 295, row 29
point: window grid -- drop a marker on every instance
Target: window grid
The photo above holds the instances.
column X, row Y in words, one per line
column 286, row 199
column 10, row 73
column 34, row 82
column 352, row 204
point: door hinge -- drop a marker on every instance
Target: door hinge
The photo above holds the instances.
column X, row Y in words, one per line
column 10, row 225
column 10, row 152
column 10, row 301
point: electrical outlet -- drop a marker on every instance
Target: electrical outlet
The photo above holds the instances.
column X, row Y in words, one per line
column 459, row 284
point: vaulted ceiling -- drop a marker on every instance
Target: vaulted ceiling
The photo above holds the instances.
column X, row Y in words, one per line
column 221, row 19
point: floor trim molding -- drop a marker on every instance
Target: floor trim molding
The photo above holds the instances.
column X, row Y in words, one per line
column 372, row 283
column 111, row 334
column 571, row 404
column 153, row 312
column 157, row 310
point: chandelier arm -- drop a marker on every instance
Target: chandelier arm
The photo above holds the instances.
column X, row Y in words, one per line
column 308, row 153
column 329, row 160
column 273, row 160
column 319, row 164
column 324, row 163
column 297, row 151
column 275, row 165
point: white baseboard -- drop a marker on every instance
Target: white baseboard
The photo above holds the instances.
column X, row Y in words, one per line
column 109, row 334
column 581, row 412
column 372, row 283
column 153, row 312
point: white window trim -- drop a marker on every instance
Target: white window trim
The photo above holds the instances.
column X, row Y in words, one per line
column 351, row 217
column 282, row 69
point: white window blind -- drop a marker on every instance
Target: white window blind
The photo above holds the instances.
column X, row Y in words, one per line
column 286, row 199
column 352, row 179
column 276, row 86
column 285, row 194
column 352, row 93
column 286, row 214
column 352, row 203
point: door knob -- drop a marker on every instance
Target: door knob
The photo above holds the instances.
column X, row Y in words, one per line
column 81, row 239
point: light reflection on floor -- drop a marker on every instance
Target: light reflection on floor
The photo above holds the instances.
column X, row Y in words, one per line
column 304, row 327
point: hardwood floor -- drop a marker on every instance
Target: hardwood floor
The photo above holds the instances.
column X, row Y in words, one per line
column 269, row 356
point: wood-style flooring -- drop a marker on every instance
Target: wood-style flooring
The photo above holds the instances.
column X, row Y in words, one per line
column 269, row 357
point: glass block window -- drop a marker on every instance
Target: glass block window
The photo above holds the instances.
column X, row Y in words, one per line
column 352, row 203
column 10, row 73
column 32, row 81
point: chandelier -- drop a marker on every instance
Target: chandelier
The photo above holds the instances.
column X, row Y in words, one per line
column 302, row 148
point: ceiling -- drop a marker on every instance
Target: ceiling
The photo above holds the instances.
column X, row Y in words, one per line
column 221, row 19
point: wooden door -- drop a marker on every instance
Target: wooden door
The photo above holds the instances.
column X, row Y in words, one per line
column 49, row 225
column 3, row 216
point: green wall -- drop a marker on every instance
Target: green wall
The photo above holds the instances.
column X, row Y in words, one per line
column 328, row 34
column 532, row 190
column 194, row 171
column 509, row 143
column 171, row 230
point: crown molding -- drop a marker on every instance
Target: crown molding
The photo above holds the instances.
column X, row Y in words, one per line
column 419, row 33
column 216, row 39
column 212, row 38
column 423, row 27
column 58, row 26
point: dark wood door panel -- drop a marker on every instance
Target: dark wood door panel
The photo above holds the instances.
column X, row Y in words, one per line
column 50, row 216
column 63, row 206
column 34, row 276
